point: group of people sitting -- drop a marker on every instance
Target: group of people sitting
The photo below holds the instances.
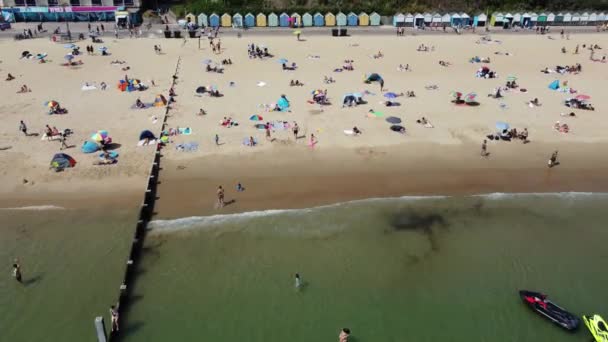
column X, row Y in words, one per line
column 217, row 69
column 57, row 109
column 321, row 98
column 227, row 61
column 328, row 80
column 256, row 52
column 378, row 55
column 576, row 103
column 291, row 67
column 424, row 122
column 295, row 83
column 562, row 128
column 486, row 73
column 478, row 59
column 157, row 49
column 409, row 93
column 348, row 65
column 212, row 92
column 24, row 89
column 511, row 85
column 424, row 48
column 228, row 122
column 512, row 134
column 404, row 68
column 445, row 63
column 574, row 69
column 51, row 133
column 534, row 103
column 90, row 50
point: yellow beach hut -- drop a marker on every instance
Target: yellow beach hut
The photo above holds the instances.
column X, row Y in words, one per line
column 363, row 19
column 226, row 20
column 190, row 18
column 260, row 20
column 330, row 19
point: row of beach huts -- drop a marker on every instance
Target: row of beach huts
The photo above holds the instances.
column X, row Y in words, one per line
column 400, row 19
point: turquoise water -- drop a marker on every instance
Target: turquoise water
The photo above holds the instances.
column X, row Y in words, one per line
column 409, row 269
column 73, row 264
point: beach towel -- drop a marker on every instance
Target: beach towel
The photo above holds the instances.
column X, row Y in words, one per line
column 185, row 131
column 113, row 154
column 374, row 114
column 88, row 87
column 261, row 84
column 150, row 143
column 187, row 147
column 246, row 142
column 349, row 132
column 52, row 137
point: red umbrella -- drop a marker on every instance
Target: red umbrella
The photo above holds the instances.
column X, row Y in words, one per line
column 583, row 97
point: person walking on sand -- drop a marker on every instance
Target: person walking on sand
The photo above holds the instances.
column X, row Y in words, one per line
column 220, row 197
column 62, row 140
column 268, row 136
column 17, row 270
column 295, row 129
column 217, row 140
column 114, row 318
column 313, row 141
column 484, row 148
column 553, row 160
column 23, row 128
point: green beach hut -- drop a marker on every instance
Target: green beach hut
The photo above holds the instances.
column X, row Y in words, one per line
column 341, row 19
column 307, row 19
column 374, row 19
column 273, row 20
column 202, row 20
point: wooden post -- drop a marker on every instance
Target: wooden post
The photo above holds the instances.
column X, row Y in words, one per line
column 101, row 329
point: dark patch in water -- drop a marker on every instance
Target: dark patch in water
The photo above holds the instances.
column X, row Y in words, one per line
column 420, row 223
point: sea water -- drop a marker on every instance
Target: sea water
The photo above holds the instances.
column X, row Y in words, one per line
column 73, row 262
column 400, row 269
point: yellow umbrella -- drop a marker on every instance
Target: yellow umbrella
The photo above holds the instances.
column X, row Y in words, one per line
column 297, row 32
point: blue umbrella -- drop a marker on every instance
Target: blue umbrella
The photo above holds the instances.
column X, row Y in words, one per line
column 282, row 61
column 390, row 95
column 69, row 57
column 501, row 126
column 102, row 48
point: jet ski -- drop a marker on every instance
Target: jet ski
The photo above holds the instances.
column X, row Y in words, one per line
column 558, row 315
column 598, row 327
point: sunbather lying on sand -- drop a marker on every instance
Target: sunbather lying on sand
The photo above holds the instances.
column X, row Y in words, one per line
column 117, row 62
column 378, row 55
column 295, row 83
column 562, row 128
column 328, row 80
column 10, row 77
column 444, row 63
column 426, row 123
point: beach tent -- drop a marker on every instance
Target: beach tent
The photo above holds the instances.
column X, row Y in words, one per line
column 284, row 19
column 466, row 19
column 237, row 20
column 550, row 18
column 226, row 20
column 481, row 20
column 353, row 19
column 399, row 20
column 374, row 19
column 318, row 19
column 496, row 19
column 456, row 19
column 202, row 20
column 296, row 19
column 567, row 18
column 330, row 19
column 554, row 85
column 273, row 20
column 62, row 161
column 428, row 19
column 283, row 104
column 190, row 18
column 526, row 20
column 214, row 20
column 446, row 19
column 341, row 19
column 146, row 135
column 418, row 20
column 436, row 18
column 160, row 101
column 89, row 147
column 363, row 19
column 260, row 20
column 409, row 20
column 249, row 20
column 307, row 19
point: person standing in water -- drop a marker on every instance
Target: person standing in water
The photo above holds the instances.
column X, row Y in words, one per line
column 298, row 281
column 17, row 270
column 114, row 318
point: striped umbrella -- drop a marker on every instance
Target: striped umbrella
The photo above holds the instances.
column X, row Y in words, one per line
column 470, row 98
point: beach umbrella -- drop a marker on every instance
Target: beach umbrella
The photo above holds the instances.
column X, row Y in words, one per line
column 41, row 55
column 456, row 94
column 261, row 127
column 50, row 103
column 207, row 61
column 390, row 95
column 583, row 97
column 397, row 128
column 393, row 120
column 69, row 57
column 316, row 92
column 25, row 53
column 501, row 126
column 511, row 78
column 296, row 32
column 102, row 48
column 282, row 61
column 69, row 46
column 100, row 136
column 256, row 117
column 470, row 97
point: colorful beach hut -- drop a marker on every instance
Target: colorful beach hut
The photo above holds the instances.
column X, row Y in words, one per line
column 202, row 20
column 307, row 19
column 399, row 20
column 507, row 20
column 542, row 19
column 577, row 18
column 249, row 20
column 601, row 17
column 550, row 18
column 526, row 20
column 296, row 19
column 273, row 20
column 190, row 18
column 534, row 18
column 363, row 19
column 465, row 19
column 592, row 18
column 226, row 20
column 496, row 19
column 517, row 17
column 418, row 20
column 260, row 20
column 214, row 20
column 284, row 20
column 456, row 20
column 436, row 19
column 446, row 19
column 352, row 19
column 237, row 20
column 409, row 20
column 318, row 19
column 330, row 19
column 374, row 19
column 341, row 19
column 567, row 18
column 480, row 20
column 428, row 19
column 559, row 19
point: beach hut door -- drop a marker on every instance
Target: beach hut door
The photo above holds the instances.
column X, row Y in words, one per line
column 419, row 22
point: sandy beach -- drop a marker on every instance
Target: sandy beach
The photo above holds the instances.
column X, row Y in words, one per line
column 283, row 171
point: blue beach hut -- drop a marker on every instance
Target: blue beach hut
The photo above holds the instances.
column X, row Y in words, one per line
column 273, row 20
column 249, row 20
column 465, row 20
column 284, row 20
column 202, row 20
column 318, row 19
column 352, row 19
column 341, row 19
column 398, row 20
column 214, row 20
column 456, row 20
column 307, row 19
column 374, row 19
